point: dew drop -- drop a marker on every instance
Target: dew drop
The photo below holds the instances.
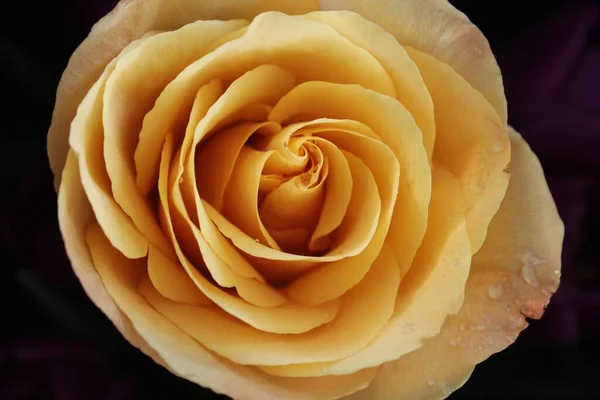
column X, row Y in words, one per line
column 407, row 326
column 478, row 328
column 447, row 390
column 498, row 146
column 557, row 273
column 529, row 261
column 458, row 342
column 495, row 292
column 181, row 180
column 257, row 240
column 431, row 382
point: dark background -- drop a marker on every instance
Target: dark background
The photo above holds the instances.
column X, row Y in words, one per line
column 54, row 344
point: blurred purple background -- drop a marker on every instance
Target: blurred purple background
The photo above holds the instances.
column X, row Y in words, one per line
column 56, row 345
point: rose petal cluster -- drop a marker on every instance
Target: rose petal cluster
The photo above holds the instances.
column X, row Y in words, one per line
column 289, row 199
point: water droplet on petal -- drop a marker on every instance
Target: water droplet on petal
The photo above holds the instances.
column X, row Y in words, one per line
column 431, row 382
column 447, row 390
column 458, row 342
column 478, row 328
column 257, row 240
column 181, row 180
column 529, row 261
column 407, row 326
column 557, row 273
column 498, row 146
column 495, row 292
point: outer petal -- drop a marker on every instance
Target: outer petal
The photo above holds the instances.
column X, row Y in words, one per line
column 512, row 277
column 129, row 21
column 437, row 28
column 179, row 353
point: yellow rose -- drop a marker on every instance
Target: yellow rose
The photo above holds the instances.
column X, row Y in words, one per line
column 301, row 199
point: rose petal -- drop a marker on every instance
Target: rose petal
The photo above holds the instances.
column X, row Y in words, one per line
column 178, row 352
column 131, row 90
column 352, row 329
column 432, row 289
column 305, row 48
column 410, row 88
column 216, row 159
column 397, row 129
column 86, row 138
column 477, row 135
column 241, row 197
column 497, row 296
column 171, row 280
column 337, row 196
column 285, row 319
column 130, row 20
column 437, row 28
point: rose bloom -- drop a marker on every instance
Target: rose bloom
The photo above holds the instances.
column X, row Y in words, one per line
column 302, row 199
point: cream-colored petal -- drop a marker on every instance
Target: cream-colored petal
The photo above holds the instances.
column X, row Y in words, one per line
column 305, row 48
column 432, row 289
column 410, row 88
column 397, row 129
column 115, row 284
column 130, row 20
column 435, row 27
column 86, row 140
column 472, row 144
column 523, row 243
column 352, row 329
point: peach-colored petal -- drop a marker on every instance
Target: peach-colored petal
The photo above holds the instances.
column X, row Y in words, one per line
column 512, row 277
column 130, row 20
column 215, row 159
column 115, row 284
column 410, row 88
column 358, row 229
column 288, row 318
column 241, row 197
column 171, row 280
column 437, row 28
column 432, row 289
column 337, row 196
column 305, row 48
column 131, row 89
column 473, row 145
column 353, row 328
column 397, row 129
column 86, row 138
